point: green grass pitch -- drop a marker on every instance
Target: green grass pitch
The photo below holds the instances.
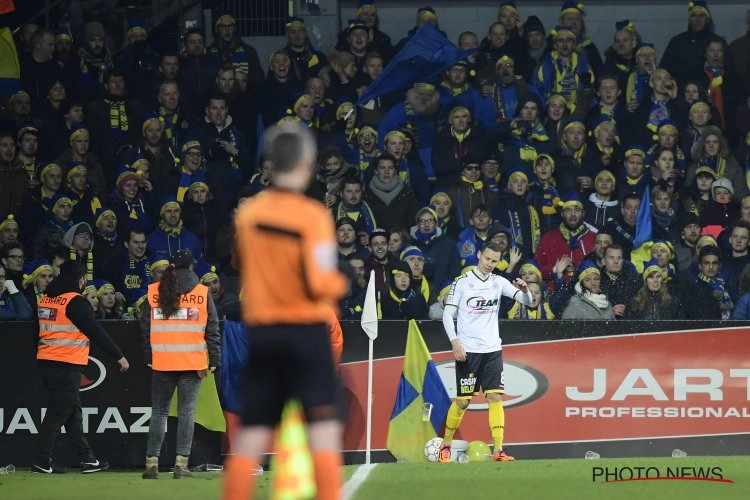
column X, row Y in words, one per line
column 537, row 479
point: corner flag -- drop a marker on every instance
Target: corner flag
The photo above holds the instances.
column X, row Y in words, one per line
column 420, row 383
column 369, row 320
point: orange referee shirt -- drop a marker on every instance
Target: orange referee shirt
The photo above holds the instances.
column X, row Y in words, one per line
column 288, row 262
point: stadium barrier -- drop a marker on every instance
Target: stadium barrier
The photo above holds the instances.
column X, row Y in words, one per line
column 621, row 388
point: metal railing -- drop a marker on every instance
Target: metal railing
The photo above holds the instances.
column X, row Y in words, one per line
column 257, row 17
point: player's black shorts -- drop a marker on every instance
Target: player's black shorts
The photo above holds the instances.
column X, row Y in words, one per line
column 481, row 369
column 289, row 361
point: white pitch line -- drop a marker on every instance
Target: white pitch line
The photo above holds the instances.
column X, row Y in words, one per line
column 354, row 482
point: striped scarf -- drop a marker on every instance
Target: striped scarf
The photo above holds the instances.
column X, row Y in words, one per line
column 169, row 230
column 521, row 311
column 720, row 294
column 572, row 237
column 118, row 118
column 566, row 78
column 89, row 263
column 362, row 215
column 171, row 125
column 550, row 197
column 717, row 163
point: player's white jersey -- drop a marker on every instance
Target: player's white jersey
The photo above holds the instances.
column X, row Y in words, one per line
column 478, row 302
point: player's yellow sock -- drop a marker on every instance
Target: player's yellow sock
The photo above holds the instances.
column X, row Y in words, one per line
column 452, row 421
column 497, row 423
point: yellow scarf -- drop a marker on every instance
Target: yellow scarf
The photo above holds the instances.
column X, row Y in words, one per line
column 478, row 185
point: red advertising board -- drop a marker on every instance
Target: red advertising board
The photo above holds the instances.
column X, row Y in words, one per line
column 650, row 385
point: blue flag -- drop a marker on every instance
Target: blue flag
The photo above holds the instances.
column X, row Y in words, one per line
column 426, row 54
column 420, row 383
column 643, row 228
column 234, row 355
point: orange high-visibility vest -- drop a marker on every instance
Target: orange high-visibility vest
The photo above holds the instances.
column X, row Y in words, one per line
column 59, row 338
column 179, row 342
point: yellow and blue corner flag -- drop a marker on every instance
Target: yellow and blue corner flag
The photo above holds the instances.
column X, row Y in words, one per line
column 208, row 412
column 419, row 384
column 369, row 320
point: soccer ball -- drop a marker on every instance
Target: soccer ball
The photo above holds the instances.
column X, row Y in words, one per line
column 431, row 449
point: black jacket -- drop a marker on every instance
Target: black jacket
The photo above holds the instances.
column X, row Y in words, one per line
column 80, row 312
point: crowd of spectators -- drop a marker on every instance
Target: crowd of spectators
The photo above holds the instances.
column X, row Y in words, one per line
column 537, row 141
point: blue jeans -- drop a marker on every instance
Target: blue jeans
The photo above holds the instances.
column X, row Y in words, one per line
column 162, row 388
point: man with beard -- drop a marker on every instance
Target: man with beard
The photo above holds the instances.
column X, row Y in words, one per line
column 95, row 60
column 305, row 61
column 622, row 228
column 572, row 239
column 229, row 49
column 565, row 71
column 379, row 259
column 197, row 66
column 619, row 280
column 277, row 91
column 620, row 57
column 110, row 119
column 346, row 237
column 353, row 206
column 684, row 248
column 418, row 112
column 391, row 200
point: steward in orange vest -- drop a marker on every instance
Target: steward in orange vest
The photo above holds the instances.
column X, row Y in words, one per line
column 67, row 325
column 181, row 344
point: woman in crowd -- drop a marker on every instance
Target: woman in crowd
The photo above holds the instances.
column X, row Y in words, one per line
column 111, row 304
column 588, row 302
column 653, row 301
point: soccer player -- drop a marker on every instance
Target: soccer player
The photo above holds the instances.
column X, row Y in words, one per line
column 475, row 298
column 286, row 310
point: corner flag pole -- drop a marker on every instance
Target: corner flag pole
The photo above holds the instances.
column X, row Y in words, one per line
column 369, row 324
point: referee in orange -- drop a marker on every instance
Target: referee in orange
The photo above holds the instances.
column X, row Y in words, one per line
column 286, row 251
